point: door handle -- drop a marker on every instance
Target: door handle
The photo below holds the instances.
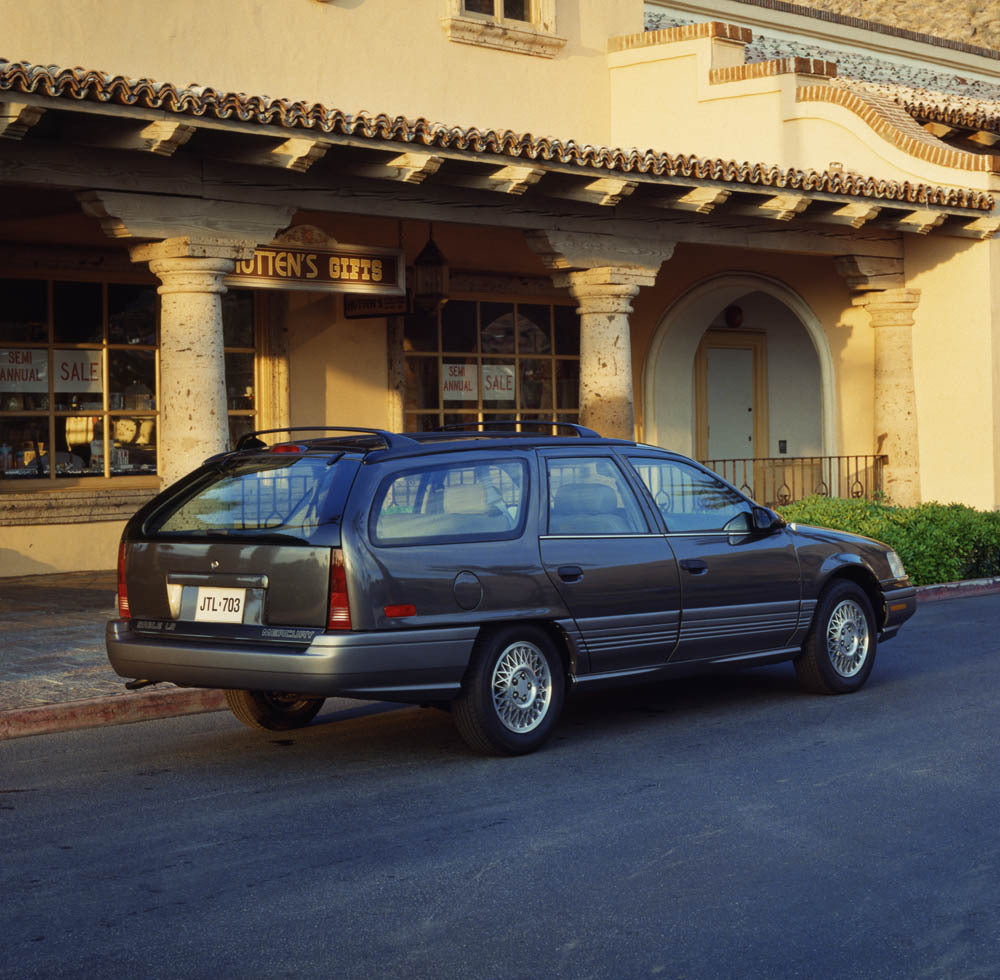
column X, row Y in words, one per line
column 570, row 573
column 693, row 565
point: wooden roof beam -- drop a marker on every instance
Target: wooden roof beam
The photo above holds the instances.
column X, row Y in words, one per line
column 981, row 228
column 699, row 200
column 984, row 138
column 920, row 222
column 412, row 167
column 503, row 180
column 780, row 207
column 854, row 215
column 298, row 153
column 605, row 191
column 16, row 118
column 941, row 130
column 162, row 137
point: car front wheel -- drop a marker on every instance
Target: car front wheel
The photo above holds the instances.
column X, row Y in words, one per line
column 513, row 693
column 272, row 710
column 839, row 652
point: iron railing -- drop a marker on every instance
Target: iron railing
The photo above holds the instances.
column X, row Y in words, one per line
column 778, row 480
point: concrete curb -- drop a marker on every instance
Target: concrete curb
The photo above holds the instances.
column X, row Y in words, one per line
column 121, row 709
column 116, row 709
column 958, row 590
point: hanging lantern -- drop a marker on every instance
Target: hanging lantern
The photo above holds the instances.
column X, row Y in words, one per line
column 430, row 278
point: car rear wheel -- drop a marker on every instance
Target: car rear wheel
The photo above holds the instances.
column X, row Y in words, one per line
column 513, row 692
column 273, row 710
column 839, row 652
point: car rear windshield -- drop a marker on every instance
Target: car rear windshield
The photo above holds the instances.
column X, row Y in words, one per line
column 290, row 495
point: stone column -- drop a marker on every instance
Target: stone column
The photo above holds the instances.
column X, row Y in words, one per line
column 891, row 312
column 396, row 365
column 192, row 396
column 603, row 274
column 604, row 296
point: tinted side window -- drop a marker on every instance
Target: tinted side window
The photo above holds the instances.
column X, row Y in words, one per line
column 690, row 499
column 460, row 502
column 589, row 495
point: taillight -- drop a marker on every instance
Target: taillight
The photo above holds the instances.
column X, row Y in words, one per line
column 287, row 447
column 339, row 617
column 123, row 609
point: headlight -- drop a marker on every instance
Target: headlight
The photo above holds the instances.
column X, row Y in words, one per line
column 896, row 565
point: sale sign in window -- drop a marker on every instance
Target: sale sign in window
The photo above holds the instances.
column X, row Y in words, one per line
column 498, row 382
column 459, row 382
column 27, row 370
column 77, row 370
column 24, row 370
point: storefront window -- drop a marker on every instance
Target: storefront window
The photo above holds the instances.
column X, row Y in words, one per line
column 488, row 361
column 79, row 378
column 238, row 333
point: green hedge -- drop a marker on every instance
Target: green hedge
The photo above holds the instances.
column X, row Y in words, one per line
column 937, row 542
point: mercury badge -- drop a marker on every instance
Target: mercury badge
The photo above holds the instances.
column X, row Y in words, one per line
column 214, row 564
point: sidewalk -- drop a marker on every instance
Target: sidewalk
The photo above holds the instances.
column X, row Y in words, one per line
column 55, row 675
column 54, row 670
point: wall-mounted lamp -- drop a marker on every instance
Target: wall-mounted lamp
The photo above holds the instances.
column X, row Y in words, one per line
column 430, row 277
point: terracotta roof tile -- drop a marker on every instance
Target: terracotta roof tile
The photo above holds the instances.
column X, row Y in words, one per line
column 84, row 85
column 937, row 84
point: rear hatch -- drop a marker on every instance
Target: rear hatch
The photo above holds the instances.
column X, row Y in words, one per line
column 243, row 549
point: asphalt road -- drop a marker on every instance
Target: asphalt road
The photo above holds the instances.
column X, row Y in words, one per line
column 726, row 827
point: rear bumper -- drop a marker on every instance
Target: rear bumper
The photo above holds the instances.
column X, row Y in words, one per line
column 401, row 665
column 900, row 605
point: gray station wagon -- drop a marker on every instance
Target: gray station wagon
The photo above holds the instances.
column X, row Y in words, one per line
column 489, row 571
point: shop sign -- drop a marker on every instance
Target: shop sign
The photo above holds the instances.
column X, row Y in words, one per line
column 27, row 370
column 344, row 269
column 498, row 382
column 358, row 307
column 460, row 382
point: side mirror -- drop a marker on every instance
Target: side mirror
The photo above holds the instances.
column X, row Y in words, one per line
column 767, row 520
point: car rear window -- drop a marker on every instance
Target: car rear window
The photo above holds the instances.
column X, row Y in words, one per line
column 292, row 495
column 458, row 502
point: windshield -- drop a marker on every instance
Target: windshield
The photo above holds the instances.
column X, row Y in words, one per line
column 287, row 494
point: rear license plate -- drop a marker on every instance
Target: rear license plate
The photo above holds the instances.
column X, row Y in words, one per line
column 218, row 605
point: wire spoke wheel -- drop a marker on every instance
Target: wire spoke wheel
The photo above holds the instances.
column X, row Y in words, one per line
column 839, row 651
column 522, row 687
column 513, row 692
column 847, row 638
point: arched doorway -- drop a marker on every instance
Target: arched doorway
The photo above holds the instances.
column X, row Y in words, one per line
column 740, row 367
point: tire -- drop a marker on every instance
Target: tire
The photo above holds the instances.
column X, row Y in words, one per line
column 839, row 652
column 513, row 692
column 272, row 710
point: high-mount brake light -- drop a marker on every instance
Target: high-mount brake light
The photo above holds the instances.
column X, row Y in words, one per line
column 339, row 617
column 123, row 609
column 287, row 447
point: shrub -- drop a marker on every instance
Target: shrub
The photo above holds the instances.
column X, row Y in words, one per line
column 937, row 542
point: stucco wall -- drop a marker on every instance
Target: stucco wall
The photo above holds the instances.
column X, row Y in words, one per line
column 37, row 549
column 812, row 280
column 756, row 120
column 337, row 367
column 339, row 54
column 955, row 365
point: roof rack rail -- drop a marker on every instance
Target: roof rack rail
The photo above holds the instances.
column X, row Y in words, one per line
column 502, row 427
column 392, row 440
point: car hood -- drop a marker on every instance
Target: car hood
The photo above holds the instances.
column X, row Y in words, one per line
column 845, row 543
